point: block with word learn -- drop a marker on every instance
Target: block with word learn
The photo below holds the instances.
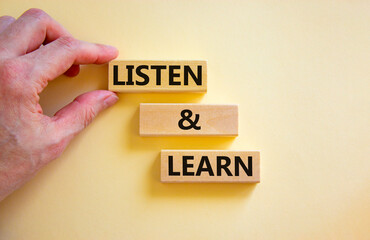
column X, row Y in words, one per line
column 210, row 166
column 159, row 119
column 157, row 76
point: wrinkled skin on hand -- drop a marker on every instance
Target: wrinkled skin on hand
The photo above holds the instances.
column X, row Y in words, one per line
column 35, row 49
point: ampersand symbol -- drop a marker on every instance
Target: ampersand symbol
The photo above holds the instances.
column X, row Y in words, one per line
column 186, row 115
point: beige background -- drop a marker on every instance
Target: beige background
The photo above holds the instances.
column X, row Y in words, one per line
column 299, row 71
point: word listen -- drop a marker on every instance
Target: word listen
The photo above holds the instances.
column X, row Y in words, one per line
column 210, row 166
column 158, row 76
column 158, row 119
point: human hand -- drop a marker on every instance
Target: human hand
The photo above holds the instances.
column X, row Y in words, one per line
column 35, row 49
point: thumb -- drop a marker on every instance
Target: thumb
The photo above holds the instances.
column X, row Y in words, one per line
column 74, row 117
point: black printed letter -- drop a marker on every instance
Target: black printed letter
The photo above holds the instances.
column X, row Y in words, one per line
column 186, row 165
column 197, row 80
column 224, row 167
column 143, row 75
column 158, row 69
column 173, row 75
column 239, row 161
column 129, row 74
column 170, row 167
column 208, row 168
column 115, row 76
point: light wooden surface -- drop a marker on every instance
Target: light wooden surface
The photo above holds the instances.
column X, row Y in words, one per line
column 157, row 76
column 158, row 119
column 210, row 166
column 299, row 71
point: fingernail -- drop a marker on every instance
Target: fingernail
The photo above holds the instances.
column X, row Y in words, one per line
column 110, row 100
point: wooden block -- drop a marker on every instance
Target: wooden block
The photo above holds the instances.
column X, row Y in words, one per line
column 210, row 166
column 157, row 76
column 158, row 119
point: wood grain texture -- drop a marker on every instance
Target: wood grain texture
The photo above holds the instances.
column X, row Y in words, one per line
column 210, row 166
column 157, row 119
column 162, row 76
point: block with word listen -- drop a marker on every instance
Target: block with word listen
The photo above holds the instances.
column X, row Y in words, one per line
column 210, row 166
column 157, row 76
column 158, row 119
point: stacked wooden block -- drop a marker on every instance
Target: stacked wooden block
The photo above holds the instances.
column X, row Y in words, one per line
column 158, row 119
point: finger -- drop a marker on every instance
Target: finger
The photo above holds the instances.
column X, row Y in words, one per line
column 5, row 21
column 74, row 117
column 72, row 71
column 57, row 57
column 29, row 31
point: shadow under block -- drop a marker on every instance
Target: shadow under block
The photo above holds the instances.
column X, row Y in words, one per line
column 157, row 76
column 157, row 119
column 210, row 166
